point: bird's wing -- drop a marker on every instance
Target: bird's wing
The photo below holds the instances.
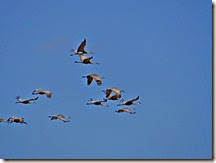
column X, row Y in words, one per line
column 33, row 99
column 128, row 109
column 98, row 82
column 88, row 59
column 60, row 116
column 89, row 80
column 133, row 99
column 116, row 90
column 108, row 92
column 82, row 46
column 48, row 93
column 96, row 78
column 19, row 99
column 104, row 100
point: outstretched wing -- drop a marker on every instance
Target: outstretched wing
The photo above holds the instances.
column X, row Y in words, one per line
column 82, row 46
column 48, row 94
column 134, row 99
column 108, row 92
column 98, row 82
column 19, row 99
column 33, row 99
column 89, row 80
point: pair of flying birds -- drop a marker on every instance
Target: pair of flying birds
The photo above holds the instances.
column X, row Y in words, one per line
column 32, row 100
column 35, row 92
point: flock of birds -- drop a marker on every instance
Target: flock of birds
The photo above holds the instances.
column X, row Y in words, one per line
column 110, row 93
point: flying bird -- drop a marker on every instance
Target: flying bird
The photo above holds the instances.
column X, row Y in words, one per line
column 42, row 92
column 60, row 117
column 127, row 110
column 16, row 120
column 29, row 101
column 96, row 77
column 80, row 50
column 129, row 102
column 117, row 93
column 86, row 60
column 98, row 103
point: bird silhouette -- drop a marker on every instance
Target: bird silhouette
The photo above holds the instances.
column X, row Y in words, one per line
column 60, row 117
column 127, row 110
column 29, row 101
column 96, row 77
column 42, row 92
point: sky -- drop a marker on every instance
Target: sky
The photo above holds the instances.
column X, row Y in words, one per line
column 158, row 50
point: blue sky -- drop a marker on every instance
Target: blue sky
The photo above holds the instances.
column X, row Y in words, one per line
column 159, row 50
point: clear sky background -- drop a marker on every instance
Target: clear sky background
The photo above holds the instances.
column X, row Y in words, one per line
column 159, row 50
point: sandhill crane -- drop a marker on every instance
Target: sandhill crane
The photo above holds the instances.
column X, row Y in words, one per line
column 29, row 101
column 98, row 103
column 42, row 92
column 117, row 94
column 86, row 60
column 80, row 49
column 129, row 102
column 16, row 120
column 60, row 117
column 127, row 110
column 96, row 77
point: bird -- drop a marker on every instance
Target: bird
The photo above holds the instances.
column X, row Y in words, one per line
column 129, row 102
column 98, row 103
column 42, row 92
column 96, row 77
column 80, row 50
column 127, row 110
column 86, row 60
column 60, row 117
column 109, row 94
column 29, row 101
column 16, row 120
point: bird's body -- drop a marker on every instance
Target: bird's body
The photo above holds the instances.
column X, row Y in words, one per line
column 60, row 117
column 16, row 120
column 96, row 77
column 85, row 60
column 129, row 102
column 81, row 50
column 29, row 101
column 42, row 92
column 98, row 103
column 127, row 110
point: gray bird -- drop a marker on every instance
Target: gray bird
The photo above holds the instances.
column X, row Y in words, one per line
column 98, row 103
column 129, row 102
column 29, row 101
column 42, row 92
column 127, row 110
column 80, row 50
column 115, row 96
column 60, row 117
column 16, row 120
column 96, row 77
